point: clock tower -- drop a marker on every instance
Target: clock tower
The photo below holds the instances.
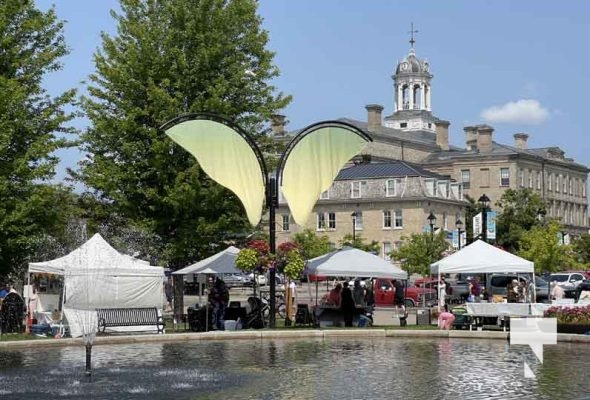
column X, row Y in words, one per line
column 411, row 94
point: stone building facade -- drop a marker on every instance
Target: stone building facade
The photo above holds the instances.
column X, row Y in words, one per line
column 413, row 136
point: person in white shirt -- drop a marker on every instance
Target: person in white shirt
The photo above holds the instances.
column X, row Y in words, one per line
column 557, row 292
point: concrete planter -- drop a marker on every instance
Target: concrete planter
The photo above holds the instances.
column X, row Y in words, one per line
column 579, row 329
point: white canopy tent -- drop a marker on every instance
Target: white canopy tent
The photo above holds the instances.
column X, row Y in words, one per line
column 98, row 276
column 223, row 262
column 481, row 257
column 349, row 261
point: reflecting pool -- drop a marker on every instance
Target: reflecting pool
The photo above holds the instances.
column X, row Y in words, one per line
column 367, row 368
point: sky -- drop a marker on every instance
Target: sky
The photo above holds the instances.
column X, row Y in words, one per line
column 519, row 66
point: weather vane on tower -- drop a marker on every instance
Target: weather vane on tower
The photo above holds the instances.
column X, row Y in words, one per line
column 411, row 32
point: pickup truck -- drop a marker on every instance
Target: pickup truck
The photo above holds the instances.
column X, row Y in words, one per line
column 384, row 292
column 459, row 289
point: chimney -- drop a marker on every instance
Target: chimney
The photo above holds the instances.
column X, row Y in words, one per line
column 484, row 138
column 470, row 137
column 277, row 124
column 442, row 134
column 373, row 117
column 520, row 140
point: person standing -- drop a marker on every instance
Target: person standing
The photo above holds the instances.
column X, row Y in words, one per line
column 442, row 293
column 219, row 298
column 358, row 294
column 347, row 304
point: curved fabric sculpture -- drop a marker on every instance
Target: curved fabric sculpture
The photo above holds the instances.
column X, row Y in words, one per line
column 227, row 158
column 314, row 162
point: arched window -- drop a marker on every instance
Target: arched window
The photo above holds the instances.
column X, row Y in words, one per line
column 405, row 97
column 417, row 95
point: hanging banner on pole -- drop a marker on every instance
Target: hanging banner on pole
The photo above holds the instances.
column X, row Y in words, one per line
column 455, row 240
column 491, row 225
column 477, row 225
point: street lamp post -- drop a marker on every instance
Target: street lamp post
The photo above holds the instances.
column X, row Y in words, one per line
column 431, row 221
column 484, row 202
column 204, row 134
column 459, row 225
column 353, row 215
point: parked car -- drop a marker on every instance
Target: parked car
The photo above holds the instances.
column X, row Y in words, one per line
column 497, row 284
column 413, row 296
column 569, row 281
column 236, row 280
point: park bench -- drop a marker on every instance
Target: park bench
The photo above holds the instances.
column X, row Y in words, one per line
column 129, row 317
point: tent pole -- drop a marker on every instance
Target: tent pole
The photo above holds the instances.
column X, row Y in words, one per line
column 438, row 288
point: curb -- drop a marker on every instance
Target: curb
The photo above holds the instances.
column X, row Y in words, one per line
column 278, row 334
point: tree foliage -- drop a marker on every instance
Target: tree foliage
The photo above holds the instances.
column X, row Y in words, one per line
column 581, row 248
column 520, row 213
column 420, row 250
column 541, row 245
column 170, row 58
column 312, row 245
column 32, row 212
column 359, row 243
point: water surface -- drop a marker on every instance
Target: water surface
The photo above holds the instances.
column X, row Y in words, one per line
column 367, row 368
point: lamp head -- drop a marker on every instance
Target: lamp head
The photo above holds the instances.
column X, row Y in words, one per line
column 484, row 200
column 431, row 219
column 459, row 224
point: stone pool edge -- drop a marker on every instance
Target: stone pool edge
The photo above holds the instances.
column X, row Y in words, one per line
column 278, row 334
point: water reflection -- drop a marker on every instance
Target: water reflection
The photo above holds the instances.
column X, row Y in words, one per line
column 298, row 369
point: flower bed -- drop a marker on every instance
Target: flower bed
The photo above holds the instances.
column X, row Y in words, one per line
column 570, row 319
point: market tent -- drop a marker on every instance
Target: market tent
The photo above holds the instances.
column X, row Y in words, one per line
column 223, row 262
column 349, row 261
column 98, row 276
column 481, row 257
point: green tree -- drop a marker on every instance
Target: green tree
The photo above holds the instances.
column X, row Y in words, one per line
column 32, row 128
column 359, row 242
column 420, row 250
column 311, row 244
column 520, row 213
column 540, row 245
column 170, row 58
column 581, row 248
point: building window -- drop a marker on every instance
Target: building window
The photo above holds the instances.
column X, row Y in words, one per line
column 430, row 187
column 550, row 183
column 321, row 222
column 386, row 219
column 538, row 180
column 571, row 187
column 386, row 250
column 331, row 220
column 445, row 221
column 530, row 179
column 398, row 221
column 521, row 177
column 443, row 189
column 564, row 181
column 393, row 187
column 285, row 224
column 325, row 195
column 397, row 244
column 504, row 177
column 485, row 177
column 358, row 221
column 403, row 125
column 465, row 178
column 557, row 183
column 583, row 188
column 356, row 189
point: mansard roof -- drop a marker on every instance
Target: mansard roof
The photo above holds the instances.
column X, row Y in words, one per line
column 391, row 169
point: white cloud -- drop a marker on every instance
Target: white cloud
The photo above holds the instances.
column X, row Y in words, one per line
column 524, row 111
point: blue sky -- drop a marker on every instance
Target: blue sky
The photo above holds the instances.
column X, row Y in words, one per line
column 519, row 66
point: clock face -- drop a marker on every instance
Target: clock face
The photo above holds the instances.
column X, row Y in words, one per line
column 404, row 66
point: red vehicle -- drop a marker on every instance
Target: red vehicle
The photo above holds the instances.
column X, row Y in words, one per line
column 414, row 296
